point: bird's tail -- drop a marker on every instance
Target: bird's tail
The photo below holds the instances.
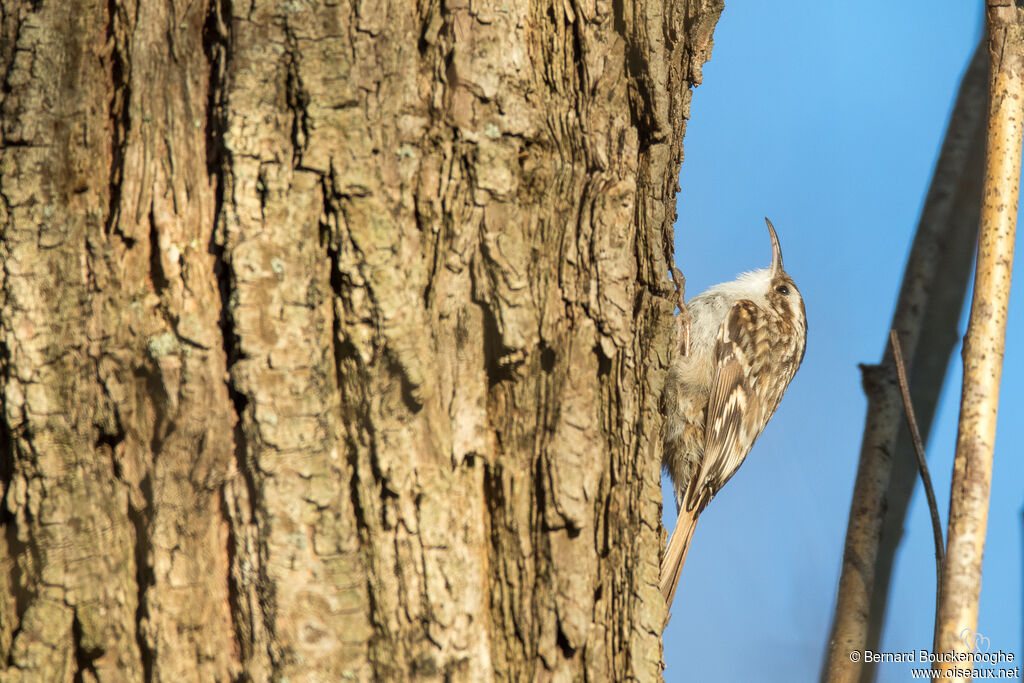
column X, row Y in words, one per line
column 675, row 553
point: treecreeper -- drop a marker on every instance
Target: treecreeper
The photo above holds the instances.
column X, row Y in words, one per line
column 746, row 339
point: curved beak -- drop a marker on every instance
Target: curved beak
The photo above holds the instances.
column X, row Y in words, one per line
column 776, row 248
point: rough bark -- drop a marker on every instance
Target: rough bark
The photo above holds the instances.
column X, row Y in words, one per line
column 331, row 336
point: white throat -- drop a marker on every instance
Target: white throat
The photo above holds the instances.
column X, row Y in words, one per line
column 751, row 285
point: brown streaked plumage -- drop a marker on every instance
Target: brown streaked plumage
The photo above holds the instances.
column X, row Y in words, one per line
column 747, row 341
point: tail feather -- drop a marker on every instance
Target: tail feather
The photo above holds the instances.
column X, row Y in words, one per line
column 675, row 553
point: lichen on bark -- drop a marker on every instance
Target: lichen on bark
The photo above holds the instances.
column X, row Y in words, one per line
column 332, row 336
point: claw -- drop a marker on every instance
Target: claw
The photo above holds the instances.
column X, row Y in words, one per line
column 683, row 319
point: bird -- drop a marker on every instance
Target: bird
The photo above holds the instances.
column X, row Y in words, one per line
column 746, row 339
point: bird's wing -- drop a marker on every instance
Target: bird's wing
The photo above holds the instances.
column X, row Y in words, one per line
column 734, row 409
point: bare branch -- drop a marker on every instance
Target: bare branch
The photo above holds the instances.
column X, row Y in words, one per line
column 986, row 333
column 927, row 310
column 954, row 197
column 926, row 478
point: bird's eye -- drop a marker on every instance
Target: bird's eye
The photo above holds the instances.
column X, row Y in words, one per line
column 783, row 290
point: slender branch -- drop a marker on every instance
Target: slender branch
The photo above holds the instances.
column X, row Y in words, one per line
column 926, row 479
column 985, row 342
column 954, row 198
column 933, row 286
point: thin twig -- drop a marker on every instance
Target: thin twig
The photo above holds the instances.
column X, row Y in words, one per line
column 922, row 466
column 915, row 435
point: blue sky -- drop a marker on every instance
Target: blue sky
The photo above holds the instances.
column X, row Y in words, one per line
column 827, row 117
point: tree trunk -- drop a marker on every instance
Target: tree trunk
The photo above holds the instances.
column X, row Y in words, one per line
column 331, row 336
